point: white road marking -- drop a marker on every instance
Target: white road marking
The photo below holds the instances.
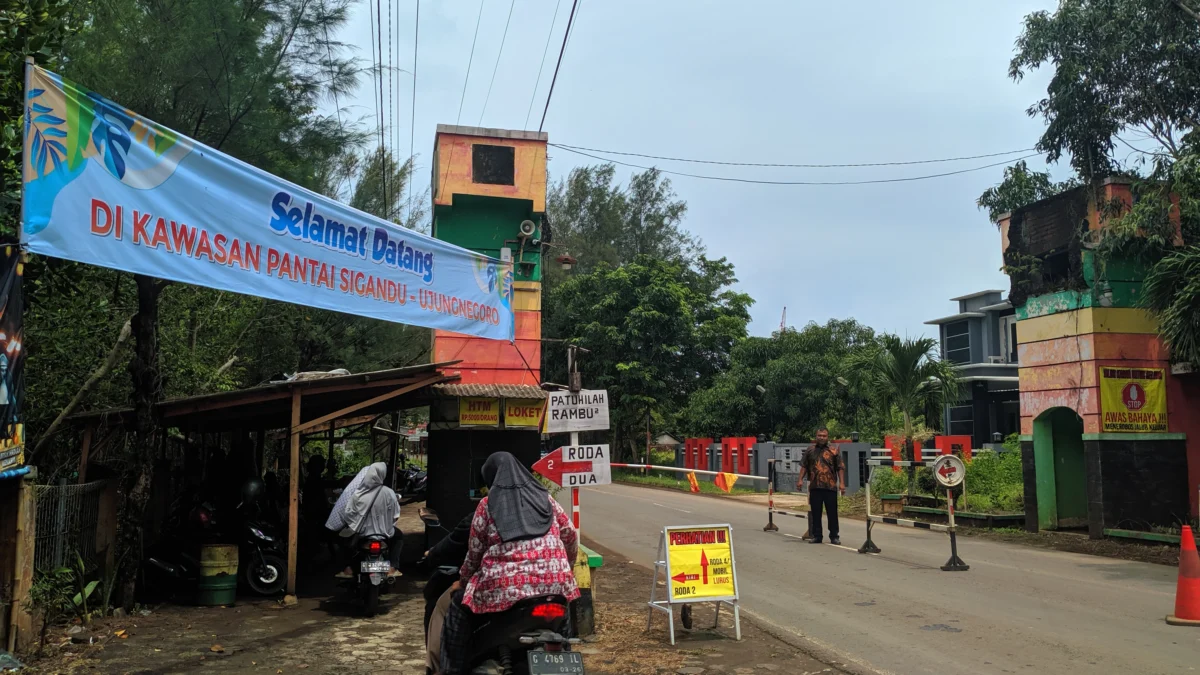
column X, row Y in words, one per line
column 670, row 507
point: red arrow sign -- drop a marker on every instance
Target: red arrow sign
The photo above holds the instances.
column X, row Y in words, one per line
column 684, row 578
column 704, row 565
column 552, row 467
column 947, row 471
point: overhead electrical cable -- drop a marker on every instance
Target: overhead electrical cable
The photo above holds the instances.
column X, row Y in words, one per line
column 783, row 165
column 794, row 182
column 466, row 80
column 391, row 115
column 470, row 60
column 545, row 51
column 496, row 67
column 561, row 51
column 412, row 121
column 382, row 101
column 336, row 103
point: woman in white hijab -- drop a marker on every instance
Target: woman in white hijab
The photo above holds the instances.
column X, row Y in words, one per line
column 368, row 508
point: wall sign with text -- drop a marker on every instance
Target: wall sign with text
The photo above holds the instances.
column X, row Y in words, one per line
column 1133, row 400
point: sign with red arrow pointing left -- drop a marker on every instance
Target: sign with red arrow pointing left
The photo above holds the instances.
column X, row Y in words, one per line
column 577, row 466
column 949, row 471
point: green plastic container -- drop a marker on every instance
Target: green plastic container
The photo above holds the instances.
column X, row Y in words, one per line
column 218, row 575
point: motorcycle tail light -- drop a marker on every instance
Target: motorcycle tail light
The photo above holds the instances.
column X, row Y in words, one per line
column 549, row 611
column 375, row 547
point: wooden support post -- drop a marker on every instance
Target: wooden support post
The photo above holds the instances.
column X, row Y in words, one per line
column 260, row 441
column 20, row 625
column 293, row 499
column 84, row 449
column 329, row 450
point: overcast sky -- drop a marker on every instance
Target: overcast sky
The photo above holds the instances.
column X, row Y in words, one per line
column 786, row 81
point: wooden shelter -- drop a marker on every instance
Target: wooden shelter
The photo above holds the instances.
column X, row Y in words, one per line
column 300, row 407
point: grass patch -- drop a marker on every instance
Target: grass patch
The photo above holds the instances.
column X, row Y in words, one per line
column 674, row 481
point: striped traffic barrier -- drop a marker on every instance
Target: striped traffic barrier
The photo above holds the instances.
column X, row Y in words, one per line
column 954, row 564
column 772, row 511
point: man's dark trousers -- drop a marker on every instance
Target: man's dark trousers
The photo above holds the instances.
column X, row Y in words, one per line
column 820, row 499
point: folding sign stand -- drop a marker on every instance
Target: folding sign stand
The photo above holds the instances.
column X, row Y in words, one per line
column 667, row 605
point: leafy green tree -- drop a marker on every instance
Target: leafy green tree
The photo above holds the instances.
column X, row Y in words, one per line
column 601, row 222
column 1020, row 187
column 656, row 330
column 798, row 372
column 1120, row 66
column 907, row 374
column 1095, row 111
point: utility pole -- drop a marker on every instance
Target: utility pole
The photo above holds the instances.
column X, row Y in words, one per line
column 574, row 384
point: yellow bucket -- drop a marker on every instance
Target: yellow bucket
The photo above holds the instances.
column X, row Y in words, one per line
column 218, row 574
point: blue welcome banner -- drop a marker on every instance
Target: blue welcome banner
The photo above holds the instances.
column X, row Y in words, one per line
column 106, row 186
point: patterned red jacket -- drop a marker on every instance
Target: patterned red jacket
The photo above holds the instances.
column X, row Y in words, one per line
column 499, row 574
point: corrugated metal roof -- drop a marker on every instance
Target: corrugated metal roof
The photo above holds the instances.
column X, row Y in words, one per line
column 490, row 390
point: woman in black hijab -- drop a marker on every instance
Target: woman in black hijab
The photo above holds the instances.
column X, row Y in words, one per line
column 522, row 545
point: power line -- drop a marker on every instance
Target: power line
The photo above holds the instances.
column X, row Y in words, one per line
column 412, row 124
column 392, row 74
column 545, row 50
column 790, row 182
column 561, row 51
column 467, row 79
column 504, row 37
column 383, row 119
column 470, row 60
column 799, row 166
column 336, row 103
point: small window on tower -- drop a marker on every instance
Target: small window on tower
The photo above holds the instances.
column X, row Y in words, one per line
column 492, row 164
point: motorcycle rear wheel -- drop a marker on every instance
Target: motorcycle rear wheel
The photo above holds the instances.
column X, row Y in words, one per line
column 371, row 600
column 266, row 574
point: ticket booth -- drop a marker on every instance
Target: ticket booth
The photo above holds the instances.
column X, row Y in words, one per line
column 489, row 196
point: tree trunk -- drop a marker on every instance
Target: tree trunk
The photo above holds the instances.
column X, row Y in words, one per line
column 147, row 390
column 910, row 452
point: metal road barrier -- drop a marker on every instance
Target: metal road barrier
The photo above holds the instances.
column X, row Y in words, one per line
column 772, row 511
column 678, row 469
column 954, row 564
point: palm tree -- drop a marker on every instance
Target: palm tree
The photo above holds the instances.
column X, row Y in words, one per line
column 908, row 374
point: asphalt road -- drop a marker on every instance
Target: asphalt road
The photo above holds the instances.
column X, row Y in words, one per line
column 1018, row 609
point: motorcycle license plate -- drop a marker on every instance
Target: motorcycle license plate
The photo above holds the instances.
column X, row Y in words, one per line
column 375, row 566
column 555, row 663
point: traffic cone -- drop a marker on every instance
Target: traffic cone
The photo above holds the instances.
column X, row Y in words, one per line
column 1187, row 592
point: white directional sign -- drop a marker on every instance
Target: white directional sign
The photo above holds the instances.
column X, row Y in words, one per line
column 949, row 471
column 586, row 410
column 577, row 466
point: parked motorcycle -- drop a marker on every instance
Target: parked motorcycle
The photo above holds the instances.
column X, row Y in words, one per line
column 412, row 483
column 263, row 567
column 171, row 567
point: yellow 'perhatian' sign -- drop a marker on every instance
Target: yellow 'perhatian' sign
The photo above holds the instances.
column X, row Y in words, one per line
column 700, row 563
column 478, row 412
column 1133, row 400
column 523, row 413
